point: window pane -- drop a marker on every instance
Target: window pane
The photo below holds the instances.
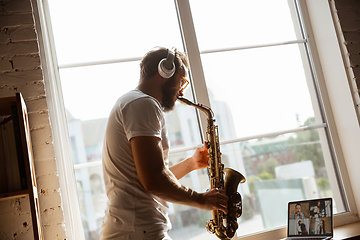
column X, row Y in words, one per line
column 92, row 199
column 235, row 23
column 91, row 30
column 283, row 168
column 279, row 169
column 91, row 92
column 257, row 91
column 183, row 128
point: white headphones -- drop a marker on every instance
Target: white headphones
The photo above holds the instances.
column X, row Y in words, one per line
column 166, row 67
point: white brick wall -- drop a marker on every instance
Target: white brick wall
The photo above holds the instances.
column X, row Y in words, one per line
column 20, row 71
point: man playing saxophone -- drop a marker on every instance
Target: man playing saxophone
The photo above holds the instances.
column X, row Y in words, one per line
column 137, row 177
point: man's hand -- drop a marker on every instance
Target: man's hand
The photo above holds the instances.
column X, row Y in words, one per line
column 200, row 158
column 214, row 199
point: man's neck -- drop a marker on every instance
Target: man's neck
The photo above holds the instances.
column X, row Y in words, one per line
column 151, row 87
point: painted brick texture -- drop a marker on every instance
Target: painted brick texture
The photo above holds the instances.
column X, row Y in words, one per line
column 20, row 71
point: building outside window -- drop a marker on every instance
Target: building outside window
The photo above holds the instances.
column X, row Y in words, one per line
column 250, row 61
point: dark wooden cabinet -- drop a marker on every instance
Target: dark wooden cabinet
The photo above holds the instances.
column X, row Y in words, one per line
column 17, row 173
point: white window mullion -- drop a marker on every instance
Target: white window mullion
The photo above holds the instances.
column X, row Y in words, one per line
column 94, row 63
column 252, row 46
column 193, row 54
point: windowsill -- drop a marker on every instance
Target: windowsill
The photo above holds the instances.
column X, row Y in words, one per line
column 347, row 231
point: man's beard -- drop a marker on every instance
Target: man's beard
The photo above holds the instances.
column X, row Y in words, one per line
column 169, row 92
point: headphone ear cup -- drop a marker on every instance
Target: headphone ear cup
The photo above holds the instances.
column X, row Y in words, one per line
column 166, row 67
column 164, row 71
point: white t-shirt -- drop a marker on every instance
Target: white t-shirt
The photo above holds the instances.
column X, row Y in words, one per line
column 130, row 207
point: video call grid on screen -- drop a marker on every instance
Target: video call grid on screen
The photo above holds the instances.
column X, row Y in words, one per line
column 310, row 217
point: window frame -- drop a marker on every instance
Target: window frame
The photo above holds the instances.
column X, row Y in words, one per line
column 333, row 82
column 328, row 61
column 57, row 115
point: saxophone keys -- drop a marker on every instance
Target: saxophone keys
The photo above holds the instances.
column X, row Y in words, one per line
column 235, row 198
column 210, row 226
column 238, row 212
column 231, row 229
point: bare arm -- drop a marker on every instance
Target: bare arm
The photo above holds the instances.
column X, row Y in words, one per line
column 160, row 181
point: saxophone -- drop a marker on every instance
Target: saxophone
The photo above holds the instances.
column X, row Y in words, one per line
column 222, row 225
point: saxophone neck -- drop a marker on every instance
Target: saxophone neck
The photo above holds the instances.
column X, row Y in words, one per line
column 199, row 106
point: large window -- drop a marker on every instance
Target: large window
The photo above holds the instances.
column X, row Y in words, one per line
column 250, row 61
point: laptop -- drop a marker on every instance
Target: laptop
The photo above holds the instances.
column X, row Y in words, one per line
column 310, row 219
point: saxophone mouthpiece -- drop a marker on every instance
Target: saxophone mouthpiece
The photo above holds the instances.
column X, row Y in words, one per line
column 184, row 101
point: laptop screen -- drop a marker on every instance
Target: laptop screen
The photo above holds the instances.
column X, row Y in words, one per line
column 311, row 218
